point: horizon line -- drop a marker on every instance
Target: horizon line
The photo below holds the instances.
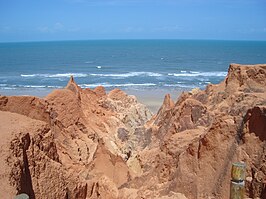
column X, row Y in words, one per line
column 140, row 39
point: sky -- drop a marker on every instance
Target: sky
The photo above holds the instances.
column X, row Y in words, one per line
column 48, row 20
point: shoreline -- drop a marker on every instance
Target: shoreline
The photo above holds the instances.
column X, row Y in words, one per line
column 152, row 98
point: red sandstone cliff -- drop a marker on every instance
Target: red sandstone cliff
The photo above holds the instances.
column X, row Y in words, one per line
column 72, row 144
column 195, row 140
column 83, row 143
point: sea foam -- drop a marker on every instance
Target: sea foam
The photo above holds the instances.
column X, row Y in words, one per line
column 55, row 75
column 116, row 85
column 196, row 74
column 130, row 74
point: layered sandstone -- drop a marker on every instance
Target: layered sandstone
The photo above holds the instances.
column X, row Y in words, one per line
column 83, row 143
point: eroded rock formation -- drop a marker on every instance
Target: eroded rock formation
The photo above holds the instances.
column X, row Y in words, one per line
column 83, row 143
column 196, row 139
column 80, row 148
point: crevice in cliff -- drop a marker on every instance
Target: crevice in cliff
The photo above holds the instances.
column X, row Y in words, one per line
column 256, row 121
column 25, row 179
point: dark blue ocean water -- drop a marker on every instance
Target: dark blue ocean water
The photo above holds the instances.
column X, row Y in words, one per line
column 134, row 64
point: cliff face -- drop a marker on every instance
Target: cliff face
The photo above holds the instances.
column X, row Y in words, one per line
column 196, row 139
column 83, row 143
column 74, row 145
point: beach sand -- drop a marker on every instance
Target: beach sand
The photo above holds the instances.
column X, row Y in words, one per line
column 153, row 98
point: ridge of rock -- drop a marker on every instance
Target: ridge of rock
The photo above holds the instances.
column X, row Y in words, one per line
column 198, row 138
column 84, row 131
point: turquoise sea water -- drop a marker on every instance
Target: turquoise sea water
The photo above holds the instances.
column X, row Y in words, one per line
column 134, row 64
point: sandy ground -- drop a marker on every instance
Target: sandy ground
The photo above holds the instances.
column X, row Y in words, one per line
column 7, row 127
column 10, row 124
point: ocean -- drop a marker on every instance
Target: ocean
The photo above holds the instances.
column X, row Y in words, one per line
column 127, row 64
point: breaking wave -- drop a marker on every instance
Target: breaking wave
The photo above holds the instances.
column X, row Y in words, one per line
column 129, row 74
column 116, row 85
column 197, row 74
column 55, row 75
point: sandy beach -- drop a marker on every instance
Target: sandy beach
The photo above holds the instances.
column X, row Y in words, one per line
column 153, row 98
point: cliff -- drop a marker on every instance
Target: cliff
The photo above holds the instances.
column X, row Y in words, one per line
column 83, row 143
column 195, row 140
column 72, row 144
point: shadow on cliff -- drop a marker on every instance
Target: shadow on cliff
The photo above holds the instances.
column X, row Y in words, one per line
column 26, row 181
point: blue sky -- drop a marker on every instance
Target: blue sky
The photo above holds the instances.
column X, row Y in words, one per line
column 41, row 20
